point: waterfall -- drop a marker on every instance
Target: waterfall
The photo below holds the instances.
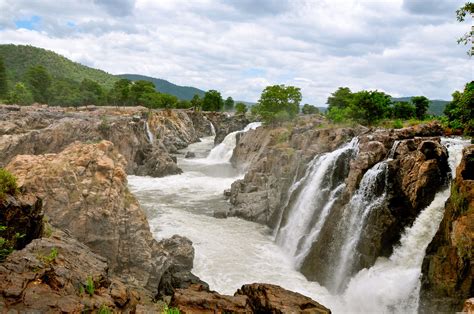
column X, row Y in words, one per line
column 223, row 151
column 213, row 129
column 148, row 133
column 313, row 202
column 366, row 198
column 396, row 280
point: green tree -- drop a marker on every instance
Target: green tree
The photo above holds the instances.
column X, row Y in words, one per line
column 460, row 111
column 168, row 101
column 39, row 82
column 368, row 107
column 461, row 13
column 229, row 104
column 139, row 91
column 92, row 93
column 421, row 104
column 65, row 92
column 341, row 98
column 403, row 110
column 212, row 101
column 196, row 102
column 240, row 108
column 20, row 95
column 183, row 104
column 309, row 109
column 119, row 95
column 3, row 79
column 278, row 103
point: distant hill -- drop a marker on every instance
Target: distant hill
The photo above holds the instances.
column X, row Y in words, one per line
column 19, row 58
column 436, row 106
column 163, row 86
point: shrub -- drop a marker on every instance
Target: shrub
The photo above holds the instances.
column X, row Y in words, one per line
column 397, row 124
column 90, row 286
column 7, row 183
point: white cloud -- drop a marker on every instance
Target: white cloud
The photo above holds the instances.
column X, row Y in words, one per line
column 239, row 47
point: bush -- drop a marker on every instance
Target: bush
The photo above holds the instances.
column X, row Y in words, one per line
column 397, row 124
column 278, row 103
column 7, row 183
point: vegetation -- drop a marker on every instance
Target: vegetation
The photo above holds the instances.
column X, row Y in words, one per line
column 460, row 111
column 461, row 13
column 48, row 259
column 278, row 103
column 309, row 109
column 421, row 106
column 3, row 79
column 229, row 104
column 240, row 108
column 7, row 183
column 39, row 82
column 212, row 101
column 90, row 289
column 8, row 241
column 168, row 310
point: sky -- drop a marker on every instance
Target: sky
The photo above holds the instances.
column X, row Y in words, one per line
column 401, row 47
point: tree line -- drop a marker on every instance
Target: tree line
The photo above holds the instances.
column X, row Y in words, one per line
column 38, row 86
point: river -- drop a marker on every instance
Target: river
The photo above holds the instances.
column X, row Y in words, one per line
column 232, row 252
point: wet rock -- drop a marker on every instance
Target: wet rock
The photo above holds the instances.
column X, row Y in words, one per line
column 190, row 155
column 220, row 213
column 447, row 271
column 84, row 189
column 225, row 124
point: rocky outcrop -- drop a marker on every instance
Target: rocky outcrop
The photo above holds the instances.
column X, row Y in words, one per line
column 146, row 138
column 252, row 298
column 84, row 190
column 277, row 158
column 59, row 274
column 447, row 269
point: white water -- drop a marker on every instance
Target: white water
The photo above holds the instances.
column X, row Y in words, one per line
column 314, row 194
column 213, row 129
column 148, row 132
column 231, row 252
column 392, row 285
column 356, row 212
column 223, row 152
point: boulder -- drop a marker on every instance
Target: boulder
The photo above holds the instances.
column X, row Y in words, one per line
column 190, row 155
column 252, row 298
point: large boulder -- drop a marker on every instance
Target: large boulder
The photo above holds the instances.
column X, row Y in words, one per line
column 84, row 189
column 447, row 271
column 251, row 298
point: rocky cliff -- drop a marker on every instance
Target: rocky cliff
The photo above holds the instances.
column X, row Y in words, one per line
column 146, row 138
column 84, row 190
column 448, row 270
column 277, row 159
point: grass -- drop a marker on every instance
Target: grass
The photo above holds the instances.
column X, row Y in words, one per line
column 7, row 245
column 90, row 289
column 50, row 258
column 170, row 310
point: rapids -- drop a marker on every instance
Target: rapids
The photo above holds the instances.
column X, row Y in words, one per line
column 232, row 252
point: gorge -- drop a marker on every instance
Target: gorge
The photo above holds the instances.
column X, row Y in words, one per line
column 341, row 215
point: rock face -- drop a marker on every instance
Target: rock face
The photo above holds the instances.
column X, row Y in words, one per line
column 51, row 274
column 146, row 138
column 84, row 190
column 276, row 158
column 225, row 124
column 447, row 269
column 252, row 298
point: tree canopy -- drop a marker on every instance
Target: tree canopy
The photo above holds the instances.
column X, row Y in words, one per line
column 229, row 104
column 39, row 82
column 460, row 111
column 3, row 79
column 421, row 106
column 240, row 108
column 212, row 101
column 278, row 103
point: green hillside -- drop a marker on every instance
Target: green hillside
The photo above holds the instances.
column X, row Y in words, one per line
column 163, row 86
column 19, row 58
column 436, row 106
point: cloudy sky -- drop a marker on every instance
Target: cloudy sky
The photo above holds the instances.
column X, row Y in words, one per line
column 402, row 47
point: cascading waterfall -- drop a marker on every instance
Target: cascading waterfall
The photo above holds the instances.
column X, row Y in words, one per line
column 396, row 280
column 317, row 190
column 148, row 133
column 213, row 129
column 223, row 152
column 367, row 197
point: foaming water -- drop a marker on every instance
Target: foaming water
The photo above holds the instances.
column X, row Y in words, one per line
column 231, row 252
column 223, row 152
